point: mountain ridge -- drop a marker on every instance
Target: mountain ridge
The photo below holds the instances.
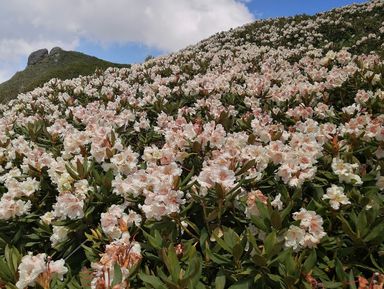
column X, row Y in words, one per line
column 43, row 66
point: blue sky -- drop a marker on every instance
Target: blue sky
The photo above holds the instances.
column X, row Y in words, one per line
column 277, row 8
column 127, row 31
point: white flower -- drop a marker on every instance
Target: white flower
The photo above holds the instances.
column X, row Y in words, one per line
column 47, row 218
column 380, row 182
column 58, row 268
column 10, row 208
column 277, row 203
column 309, row 233
column 345, row 171
column 294, row 237
column 60, row 234
column 65, row 182
column 30, row 268
column 29, row 186
column 336, row 196
column 112, row 221
column 310, row 241
column 351, row 109
column 68, row 205
column 124, row 162
column 216, row 174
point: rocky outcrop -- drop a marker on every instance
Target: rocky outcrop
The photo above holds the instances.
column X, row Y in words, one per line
column 55, row 50
column 37, row 56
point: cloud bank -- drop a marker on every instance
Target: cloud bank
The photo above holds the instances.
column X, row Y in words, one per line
column 166, row 25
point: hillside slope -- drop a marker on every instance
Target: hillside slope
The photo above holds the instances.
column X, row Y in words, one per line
column 61, row 64
column 253, row 159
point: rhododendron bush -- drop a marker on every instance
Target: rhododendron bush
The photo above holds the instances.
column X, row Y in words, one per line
column 254, row 159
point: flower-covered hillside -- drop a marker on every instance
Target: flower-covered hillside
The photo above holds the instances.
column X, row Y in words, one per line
column 254, row 159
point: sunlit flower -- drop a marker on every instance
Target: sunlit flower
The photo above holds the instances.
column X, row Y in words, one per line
column 336, row 196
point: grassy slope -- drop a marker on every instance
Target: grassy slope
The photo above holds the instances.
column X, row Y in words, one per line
column 66, row 65
column 351, row 28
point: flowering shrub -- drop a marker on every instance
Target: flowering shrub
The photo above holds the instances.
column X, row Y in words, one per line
column 254, row 159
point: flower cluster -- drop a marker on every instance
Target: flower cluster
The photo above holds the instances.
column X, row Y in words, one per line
column 122, row 252
column 336, row 197
column 39, row 269
column 266, row 137
column 309, row 232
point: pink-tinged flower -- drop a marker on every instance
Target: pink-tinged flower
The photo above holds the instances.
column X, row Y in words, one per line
column 124, row 162
column 294, row 237
column 312, row 226
column 122, row 252
column 211, row 175
column 39, row 269
column 310, row 241
column 336, row 196
column 252, row 209
column 345, row 171
column 115, row 221
column 162, row 201
column 68, row 205
column 10, row 208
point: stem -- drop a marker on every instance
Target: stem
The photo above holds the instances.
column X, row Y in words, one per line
column 205, row 215
column 186, row 229
column 78, row 247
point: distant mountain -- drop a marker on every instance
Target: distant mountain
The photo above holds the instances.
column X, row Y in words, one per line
column 44, row 65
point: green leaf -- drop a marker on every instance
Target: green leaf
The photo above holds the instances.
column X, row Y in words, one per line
column 155, row 241
column 221, row 243
column 152, row 280
column 187, row 178
column 339, row 270
column 80, row 168
column 274, row 277
column 246, row 167
column 276, row 219
column 5, row 273
column 332, row 284
column 237, row 251
column 374, row 233
column 310, row 262
column 219, row 259
column 231, row 238
column 242, row 284
column 270, row 242
column 361, row 225
column 193, row 272
column 172, row 262
column 347, row 228
column 220, row 281
column 286, row 211
column 259, row 260
column 117, row 275
column 259, row 223
column 374, row 262
column 351, row 279
column 72, row 172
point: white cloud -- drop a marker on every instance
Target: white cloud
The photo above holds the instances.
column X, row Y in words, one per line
column 166, row 25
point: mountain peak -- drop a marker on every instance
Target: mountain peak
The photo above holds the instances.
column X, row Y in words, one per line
column 37, row 56
column 43, row 65
column 42, row 54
